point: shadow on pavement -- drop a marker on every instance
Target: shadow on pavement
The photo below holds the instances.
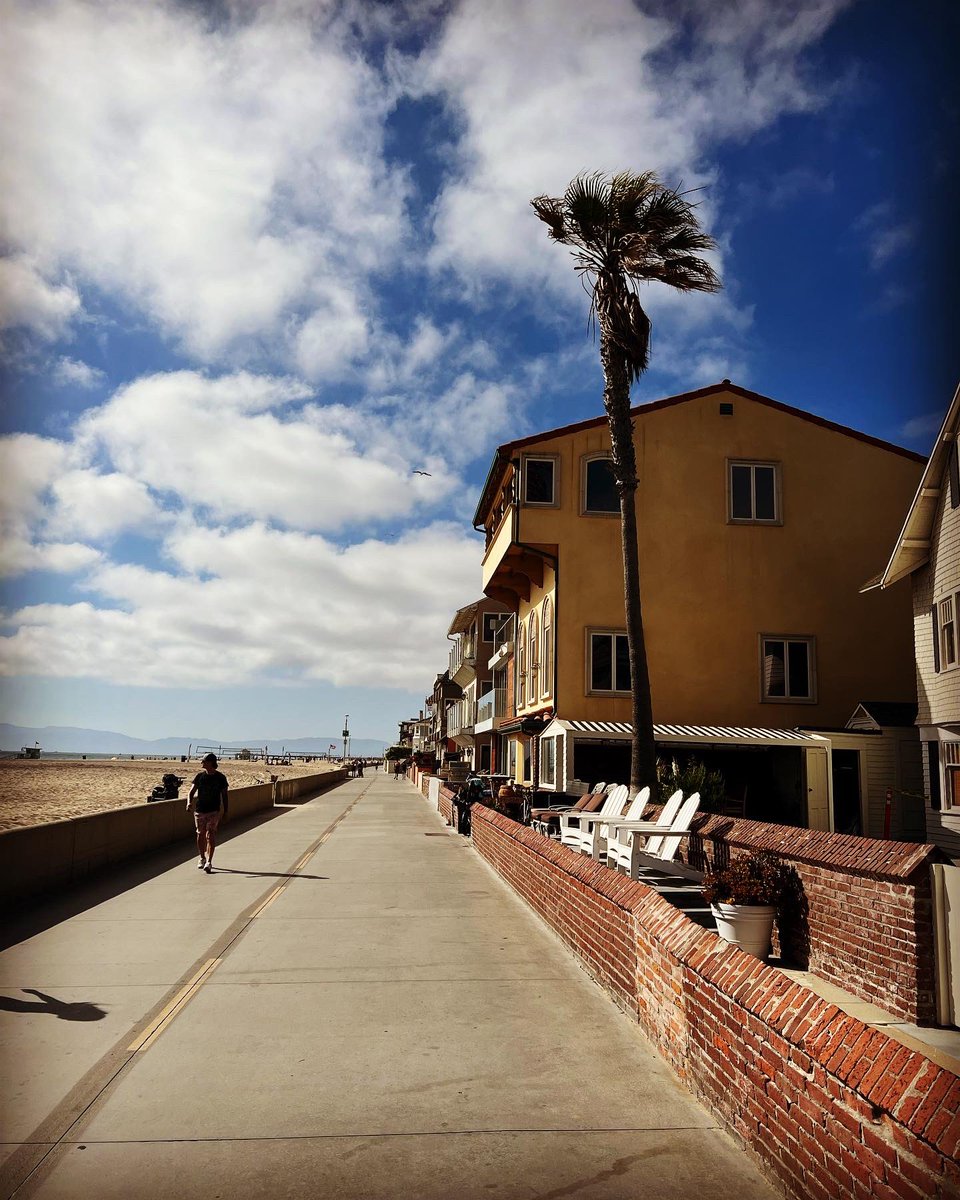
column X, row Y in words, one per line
column 265, row 874
column 77, row 1010
column 33, row 915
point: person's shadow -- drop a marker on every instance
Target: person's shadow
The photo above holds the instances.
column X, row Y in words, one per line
column 79, row 1010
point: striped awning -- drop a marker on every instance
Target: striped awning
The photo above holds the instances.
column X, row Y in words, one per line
column 744, row 735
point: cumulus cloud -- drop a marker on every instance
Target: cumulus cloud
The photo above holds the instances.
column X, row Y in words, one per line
column 70, row 372
column 32, row 300
column 98, row 505
column 214, row 176
column 29, row 465
column 604, row 88
column 256, row 604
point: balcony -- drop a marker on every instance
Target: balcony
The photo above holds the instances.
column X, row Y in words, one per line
column 461, row 718
column 490, row 707
column 463, row 660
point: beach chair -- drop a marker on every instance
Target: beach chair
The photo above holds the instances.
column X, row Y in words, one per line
column 612, row 807
column 547, row 820
column 620, row 839
column 595, row 832
column 663, row 841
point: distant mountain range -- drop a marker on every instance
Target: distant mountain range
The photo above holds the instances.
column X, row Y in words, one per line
column 65, row 739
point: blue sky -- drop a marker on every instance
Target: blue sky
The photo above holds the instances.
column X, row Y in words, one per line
column 262, row 261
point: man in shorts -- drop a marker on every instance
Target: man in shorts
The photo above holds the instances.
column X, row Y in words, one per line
column 209, row 790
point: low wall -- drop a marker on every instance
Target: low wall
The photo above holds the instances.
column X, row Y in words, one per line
column 286, row 791
column 42, row 858
column 867, row 907
column 829, row 1105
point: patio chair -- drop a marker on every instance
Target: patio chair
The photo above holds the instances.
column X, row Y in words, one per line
column 595, row 832
column 547, row 820
column 570, row 822
column 664, row 842
column 620, row 840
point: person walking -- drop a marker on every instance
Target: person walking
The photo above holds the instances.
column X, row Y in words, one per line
column 207, row 796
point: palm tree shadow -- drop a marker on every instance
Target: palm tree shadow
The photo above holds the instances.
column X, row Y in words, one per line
column 65, row 1010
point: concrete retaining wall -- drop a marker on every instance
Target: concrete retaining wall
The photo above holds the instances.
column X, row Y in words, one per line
column 833, row 1107
column 58, row 854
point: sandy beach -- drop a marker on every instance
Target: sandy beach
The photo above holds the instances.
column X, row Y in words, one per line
column 33, row 792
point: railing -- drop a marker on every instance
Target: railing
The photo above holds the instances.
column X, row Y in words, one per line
column 500, row 702
column 503, row 635
column 463, row 651
column 461, row 717
column 486, row 705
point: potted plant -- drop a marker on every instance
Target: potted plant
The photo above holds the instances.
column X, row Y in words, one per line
column 743, row 898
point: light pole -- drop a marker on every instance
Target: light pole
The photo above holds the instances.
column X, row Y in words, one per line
column 346, row 735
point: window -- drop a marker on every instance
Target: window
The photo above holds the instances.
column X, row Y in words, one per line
column 951, row 763
column 539, row 481
column 948, row 637
column 788, row 668
column 521, row 667
column 547, row 660
column 608, row 665
column 754, row 492
column 548, row 761
column 599, row 486
column 491, row 623
column 533, row 651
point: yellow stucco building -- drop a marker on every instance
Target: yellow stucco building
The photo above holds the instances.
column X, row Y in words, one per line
column 757, row 525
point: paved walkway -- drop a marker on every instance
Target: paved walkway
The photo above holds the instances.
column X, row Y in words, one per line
column 352, row 1005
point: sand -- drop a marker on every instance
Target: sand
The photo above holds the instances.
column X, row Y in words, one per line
column 32, row 792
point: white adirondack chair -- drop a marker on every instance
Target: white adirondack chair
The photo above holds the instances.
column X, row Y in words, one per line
column 620, row 841
column 570, row 822
column 594, row 831
column 664, row 843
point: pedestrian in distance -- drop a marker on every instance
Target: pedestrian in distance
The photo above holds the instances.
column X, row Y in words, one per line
column 208, row 796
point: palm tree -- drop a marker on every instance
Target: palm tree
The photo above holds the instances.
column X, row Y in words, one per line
column 624, row 231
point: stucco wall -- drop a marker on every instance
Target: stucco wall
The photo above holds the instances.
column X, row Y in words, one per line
column 710, row 588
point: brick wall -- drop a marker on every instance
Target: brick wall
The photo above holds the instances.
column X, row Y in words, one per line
column 867, row 922
column 831, row 1107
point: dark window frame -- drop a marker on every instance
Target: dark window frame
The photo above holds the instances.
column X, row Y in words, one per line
column 585, row 463
column 754, row 464
column 554, row 460
column 613, row 635
column 787, row 639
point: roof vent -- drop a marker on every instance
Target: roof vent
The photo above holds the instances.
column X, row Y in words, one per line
column 726, row 409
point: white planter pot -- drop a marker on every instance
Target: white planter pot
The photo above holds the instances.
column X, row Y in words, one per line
column 749, row 926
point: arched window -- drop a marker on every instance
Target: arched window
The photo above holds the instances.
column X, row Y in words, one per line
column 521, row 667
column 599, row 486
column 546, row 661
column 533, row 638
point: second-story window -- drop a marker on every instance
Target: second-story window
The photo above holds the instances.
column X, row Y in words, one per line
column 540, row 481
column 599, row 486
column 533, row 640
column 948, row 634
column 608, row 666
column 521, row 666
column 491, row 623
column 754, row 493
column 547, row 659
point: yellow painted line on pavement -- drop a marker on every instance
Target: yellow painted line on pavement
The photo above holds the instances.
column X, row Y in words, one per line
column 269, row 900
column 152, row 1031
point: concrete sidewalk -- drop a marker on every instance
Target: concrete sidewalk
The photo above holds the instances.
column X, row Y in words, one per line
column 352, row 1005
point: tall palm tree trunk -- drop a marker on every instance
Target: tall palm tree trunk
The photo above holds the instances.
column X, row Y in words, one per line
column 616, row 402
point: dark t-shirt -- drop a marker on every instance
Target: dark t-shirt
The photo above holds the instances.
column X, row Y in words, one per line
column 210, row 787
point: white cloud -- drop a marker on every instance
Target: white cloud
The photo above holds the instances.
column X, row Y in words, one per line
column 924, row 426
column 98, row 505
column 885, row 235
column 29, row 465
column 244, row 446
column 70, row 372
column 259, row 604
column 28, row 299
column 215, row 176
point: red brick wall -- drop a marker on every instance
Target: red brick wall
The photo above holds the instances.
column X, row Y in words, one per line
column 868, row 924
column 445, row 805
column 830, row 1106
